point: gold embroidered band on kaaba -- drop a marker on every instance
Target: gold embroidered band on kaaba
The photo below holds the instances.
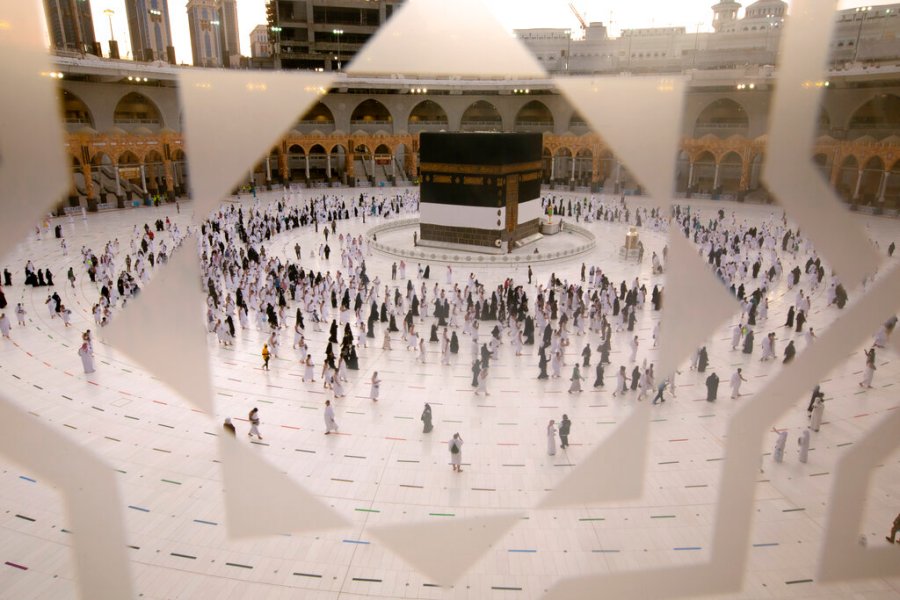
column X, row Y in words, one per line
column 461, row 169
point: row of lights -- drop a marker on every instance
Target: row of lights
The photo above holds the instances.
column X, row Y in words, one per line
column 816, row 84
column 523, row 91
column 53, row 75
column 137, row 79
column 418, row 91
column 746, row 86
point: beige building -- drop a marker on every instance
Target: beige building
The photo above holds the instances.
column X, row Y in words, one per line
column 260, row 47
column 870, row 35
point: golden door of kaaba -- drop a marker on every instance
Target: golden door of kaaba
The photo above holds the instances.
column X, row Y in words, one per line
column 512, row 202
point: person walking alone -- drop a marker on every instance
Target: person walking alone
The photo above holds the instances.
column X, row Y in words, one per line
column 551, row 438
column 376, row 386
column 565, row 426
column 330, row 423
column 455, row 446
column 253, row 417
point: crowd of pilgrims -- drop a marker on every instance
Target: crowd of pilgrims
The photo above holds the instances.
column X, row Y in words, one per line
column 249, row 288
column 273, row 293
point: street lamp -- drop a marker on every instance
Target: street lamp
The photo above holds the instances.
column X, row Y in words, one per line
column 338, row 33
column 276, row 30
column 215, row 23
column 109, row 13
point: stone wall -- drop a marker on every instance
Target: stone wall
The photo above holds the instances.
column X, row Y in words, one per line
column 460, row 235
column 525, row 229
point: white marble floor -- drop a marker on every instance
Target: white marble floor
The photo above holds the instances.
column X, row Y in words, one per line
column 383, row 470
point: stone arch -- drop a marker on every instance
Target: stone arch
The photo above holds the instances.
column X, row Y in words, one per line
column 870, row 185
column 77, row 178
column 481, row 115
column 129, row 166
column 371, row 112
column 319, row 117
column 135, row 110
column 382, row 159
column 546, row 164
column 892, row 186
column 607, row 169
column 682, row 171
column 878, row 116
column 75, row 111
column 847, row 176
column 534, row 116
column 704, row 172
column 318, row 163
column 100, row 158
column 363, row 162
column 730, row 168
column 338, row 162
column 296, row 162
column 722, row 118
column 563, row 159
column 401, row 161
column 103, row 174
column 756, row 171
column 584, row 166
column 578, row 125
column 154, row 172
column 427, row 115
column 821, row 163
column 180, row 171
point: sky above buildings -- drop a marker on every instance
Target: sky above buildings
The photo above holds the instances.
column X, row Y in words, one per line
column 512, row 14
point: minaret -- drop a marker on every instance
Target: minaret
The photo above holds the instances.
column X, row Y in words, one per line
column 724, row 13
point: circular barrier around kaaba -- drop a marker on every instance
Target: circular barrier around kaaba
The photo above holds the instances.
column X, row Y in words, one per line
column 453, row 255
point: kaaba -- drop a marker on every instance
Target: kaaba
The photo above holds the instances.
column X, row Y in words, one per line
column 480, row 191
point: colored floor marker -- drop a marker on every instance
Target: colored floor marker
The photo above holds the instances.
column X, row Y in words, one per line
column 28, row 479
column 355, row 542
column 506, row 589
column 16, row 566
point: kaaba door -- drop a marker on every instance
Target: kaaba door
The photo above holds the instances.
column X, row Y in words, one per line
column 512, row 203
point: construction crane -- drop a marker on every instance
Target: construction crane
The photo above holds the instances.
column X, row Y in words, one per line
column 578, row 16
